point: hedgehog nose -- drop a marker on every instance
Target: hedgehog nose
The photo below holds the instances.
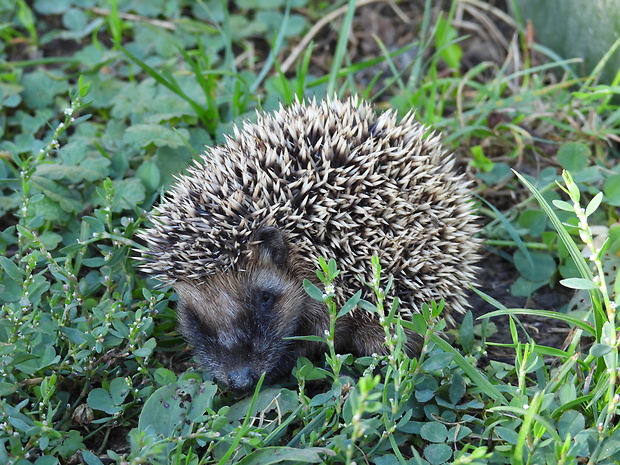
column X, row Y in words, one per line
column 242, row 379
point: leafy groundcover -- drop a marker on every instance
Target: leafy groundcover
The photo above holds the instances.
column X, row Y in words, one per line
column 103, row 102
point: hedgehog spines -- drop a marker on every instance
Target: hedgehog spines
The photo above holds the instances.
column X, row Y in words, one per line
column 342, row 182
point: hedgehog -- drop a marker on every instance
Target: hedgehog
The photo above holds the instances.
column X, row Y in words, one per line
column 240, row 231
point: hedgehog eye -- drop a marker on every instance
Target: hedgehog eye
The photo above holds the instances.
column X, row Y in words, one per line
column 265, row 300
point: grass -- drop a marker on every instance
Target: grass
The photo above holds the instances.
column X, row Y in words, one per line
column 103, row 103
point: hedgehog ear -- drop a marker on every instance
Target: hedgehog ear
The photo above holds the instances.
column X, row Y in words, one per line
column 271, row 245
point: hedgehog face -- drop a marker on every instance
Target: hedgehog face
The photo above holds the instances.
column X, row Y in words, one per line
column 237, row 321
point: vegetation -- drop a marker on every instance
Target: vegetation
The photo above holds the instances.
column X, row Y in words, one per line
column 102, row 103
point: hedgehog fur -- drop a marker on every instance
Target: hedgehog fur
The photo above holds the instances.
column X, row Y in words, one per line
column 240, row 231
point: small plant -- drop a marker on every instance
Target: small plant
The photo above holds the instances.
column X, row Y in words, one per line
column 571, row 400
column 68, row 310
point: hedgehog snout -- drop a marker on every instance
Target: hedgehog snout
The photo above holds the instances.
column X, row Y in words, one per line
column 242, row 379
column 237, row 366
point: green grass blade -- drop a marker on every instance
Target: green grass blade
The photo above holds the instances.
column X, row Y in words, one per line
column 578, row 322
column 425, row 39
column 277, row 45
column 596, row 72
column 487, row 298
column 569, row 243
column 170, row 84
column 578, row 403
column 208, row 113
column 245, row 427
column 302, row 71
column 393, row 68
column 341, row 47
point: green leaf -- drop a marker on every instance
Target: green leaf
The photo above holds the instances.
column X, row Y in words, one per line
column 47, row 459
column 418, row 323
column 119, row 390
column 574, row 156
column 350, row 304
column 534, row 220
column 143, row 135
column 313, row 291
column 458, row 433
column 611, row 446
column 164, row 376
column 457, row 389
column 52, row 8
column 499, row 173
column 437, row 454
column 42, row 356
column 466, row 332
column 479, row 159
column 40, row 88
column 562, row 205
column 602, row 251
column 56, row 194
column 507, row 434
column 271, row 455
column 594, row 204
column 478, row 379
column 6, row 389
column 100, row 399
column 146, row 349
column 434, row 432
column 573, row 189
column 50, row 240
column 90, row 458
column 11, row 269
column 540, row 268
column 388, row 459
column 74, row 335
column 150, row 176
column 71, row 443
column 424, row 395
column 171, row 409
column 611, row 188
column 571, row 423
column 95, row 225
column 445, row 37
column 75, row 20
column 10, row 290
column 578, row 283
column 127, row 194
column 437, row 362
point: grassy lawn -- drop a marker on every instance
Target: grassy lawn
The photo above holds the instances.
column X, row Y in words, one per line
column 102, row 102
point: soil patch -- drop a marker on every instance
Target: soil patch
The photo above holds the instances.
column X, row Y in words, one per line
column 495, row 278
